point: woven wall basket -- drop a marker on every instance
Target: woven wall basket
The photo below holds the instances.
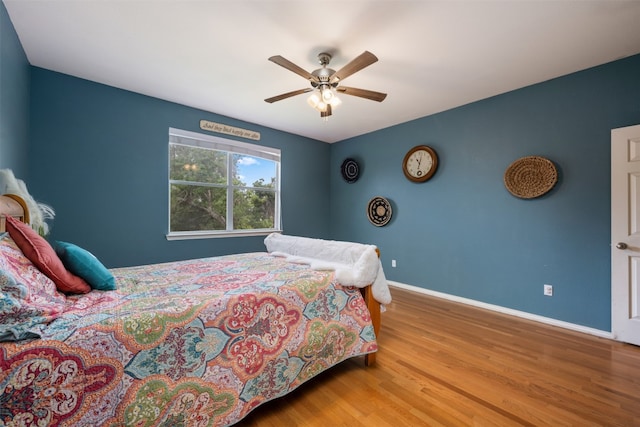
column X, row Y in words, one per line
column 530, row 177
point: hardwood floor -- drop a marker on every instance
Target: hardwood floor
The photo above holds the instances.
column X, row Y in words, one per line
column 447, row 364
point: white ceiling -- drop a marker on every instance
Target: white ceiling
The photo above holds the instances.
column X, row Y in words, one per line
column 433, row 55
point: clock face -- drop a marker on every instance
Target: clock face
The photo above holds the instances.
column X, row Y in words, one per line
column 420, row 163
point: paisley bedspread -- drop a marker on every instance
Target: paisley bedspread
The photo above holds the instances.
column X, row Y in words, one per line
column 189, row 343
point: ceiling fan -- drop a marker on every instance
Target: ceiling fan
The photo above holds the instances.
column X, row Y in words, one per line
column 324, row 80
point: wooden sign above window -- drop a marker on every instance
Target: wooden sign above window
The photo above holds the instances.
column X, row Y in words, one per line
column 229, row 130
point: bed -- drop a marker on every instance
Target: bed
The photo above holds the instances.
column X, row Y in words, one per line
column 189, row 343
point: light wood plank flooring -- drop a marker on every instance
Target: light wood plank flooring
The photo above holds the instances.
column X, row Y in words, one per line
column 447, row 364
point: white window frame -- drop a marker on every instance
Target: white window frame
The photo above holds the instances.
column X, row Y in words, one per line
column 194, row 139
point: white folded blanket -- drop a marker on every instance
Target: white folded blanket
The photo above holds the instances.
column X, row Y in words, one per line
column 355, row 264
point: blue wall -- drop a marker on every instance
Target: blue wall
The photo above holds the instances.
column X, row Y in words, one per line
column 99, row 156
column 14, row 99
column 463, row 233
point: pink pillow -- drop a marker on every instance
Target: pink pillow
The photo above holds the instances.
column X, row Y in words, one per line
column 40, row 252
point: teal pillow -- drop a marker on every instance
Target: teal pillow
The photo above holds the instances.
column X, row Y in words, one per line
column 84, row 264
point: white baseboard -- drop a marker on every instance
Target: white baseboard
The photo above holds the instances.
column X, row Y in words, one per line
column 504, row 310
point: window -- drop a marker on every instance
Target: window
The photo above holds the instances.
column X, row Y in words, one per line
column 221, row 187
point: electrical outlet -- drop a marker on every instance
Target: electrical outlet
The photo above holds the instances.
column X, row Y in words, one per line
column 548, row 290
column 393, row 263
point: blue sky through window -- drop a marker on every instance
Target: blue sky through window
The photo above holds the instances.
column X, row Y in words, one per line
column 250, row 169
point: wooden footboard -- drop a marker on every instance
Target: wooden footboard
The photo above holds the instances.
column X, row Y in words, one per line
column 374, row 309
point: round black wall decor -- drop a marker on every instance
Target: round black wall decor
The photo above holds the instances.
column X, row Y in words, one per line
column 350, row 170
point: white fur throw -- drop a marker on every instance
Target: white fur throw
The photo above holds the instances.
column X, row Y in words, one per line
column 355, row 264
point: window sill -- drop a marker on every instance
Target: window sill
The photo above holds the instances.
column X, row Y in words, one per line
column 187, row 235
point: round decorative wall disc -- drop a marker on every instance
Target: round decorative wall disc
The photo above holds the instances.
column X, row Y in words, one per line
column 530, row 177
column 350, row 170
column 379, row 211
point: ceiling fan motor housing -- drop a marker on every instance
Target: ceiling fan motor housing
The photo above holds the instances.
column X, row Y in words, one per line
column 323, row 73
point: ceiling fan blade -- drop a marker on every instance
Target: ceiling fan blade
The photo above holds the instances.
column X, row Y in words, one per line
column 287, row 95
column 364, row 60
column 293, row 67
column 362, row 93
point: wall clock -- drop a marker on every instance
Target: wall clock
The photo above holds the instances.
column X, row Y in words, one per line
column 420, row 163
column 350, row 170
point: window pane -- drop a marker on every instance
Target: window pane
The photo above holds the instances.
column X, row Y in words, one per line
column 253, row 209
column 197, row 164
column 195, row 208
column 254, row 171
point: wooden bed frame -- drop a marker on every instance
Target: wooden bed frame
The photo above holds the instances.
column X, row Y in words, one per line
column 14, row 205
column 374, row 309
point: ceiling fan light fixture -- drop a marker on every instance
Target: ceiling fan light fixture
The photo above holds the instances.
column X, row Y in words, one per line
column 320, row 101
column 327, row 94
column 314, row 100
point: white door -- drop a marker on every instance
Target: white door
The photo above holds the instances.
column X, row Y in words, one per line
column 625, row 234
